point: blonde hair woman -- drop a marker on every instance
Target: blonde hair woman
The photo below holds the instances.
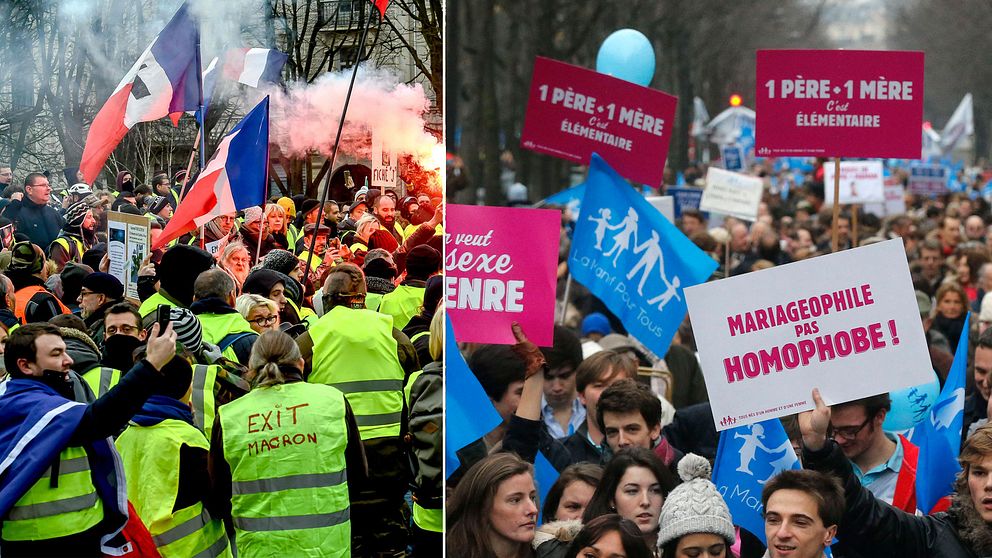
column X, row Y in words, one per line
column 276, row 223
column 311, row 433
column 261, row 313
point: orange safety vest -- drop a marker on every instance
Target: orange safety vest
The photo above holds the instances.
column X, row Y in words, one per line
column 23, row 296
column 905, row 494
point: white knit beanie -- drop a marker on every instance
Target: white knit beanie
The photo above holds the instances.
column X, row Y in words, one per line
column 694, row 506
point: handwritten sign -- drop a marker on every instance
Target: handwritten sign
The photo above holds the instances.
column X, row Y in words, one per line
column 501, row 267
column 573, row 112
column 384, row 164
column 860, row 182
column 731, row 193
column 839, row 103
column 803, row 325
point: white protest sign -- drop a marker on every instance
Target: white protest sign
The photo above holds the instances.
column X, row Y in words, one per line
column 664, row 204
column 804, row 325
column 860, row 182
column 731, row 193
column 384, row 165
column 895, row 200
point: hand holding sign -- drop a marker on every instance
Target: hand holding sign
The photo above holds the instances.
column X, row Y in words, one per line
column 814, row 424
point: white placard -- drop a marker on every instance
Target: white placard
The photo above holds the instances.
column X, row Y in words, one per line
column 664, row 204
column 860, row 182
column 895, row 200
column 852, row 333
column 383, row 165
column 129, row 238
column 731, row 193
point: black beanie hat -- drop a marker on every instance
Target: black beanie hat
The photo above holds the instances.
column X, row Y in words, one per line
column 179, row 268
column 422, row 262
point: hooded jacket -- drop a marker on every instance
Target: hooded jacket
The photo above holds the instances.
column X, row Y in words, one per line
column 552, row 539
column 83, row 351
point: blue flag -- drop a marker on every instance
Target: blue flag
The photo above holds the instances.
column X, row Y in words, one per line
column 746, row 458
column 939, row 437
column 469, row 414
column 545, row 475
column 633, row 259
column 570, row 198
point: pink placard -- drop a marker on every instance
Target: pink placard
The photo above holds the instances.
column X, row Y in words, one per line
column 573, row 112
column 839, row 103
column 501, row 267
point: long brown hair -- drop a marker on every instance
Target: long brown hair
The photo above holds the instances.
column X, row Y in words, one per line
column 272, row 349
column 469, row 526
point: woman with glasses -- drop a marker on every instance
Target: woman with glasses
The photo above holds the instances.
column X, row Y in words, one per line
column 262, row 314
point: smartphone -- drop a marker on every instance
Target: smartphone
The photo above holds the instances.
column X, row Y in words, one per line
column 334, row 243
column 162, row 317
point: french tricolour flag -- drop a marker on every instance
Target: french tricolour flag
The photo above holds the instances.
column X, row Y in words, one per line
column 163, row 81
column 252, row 66
column 235, row 177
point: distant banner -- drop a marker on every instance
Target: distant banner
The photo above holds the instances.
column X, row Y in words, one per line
column 731, row 193
column 860, row 182
column 684, row 198
column 928, row 180
column 573, row 112
column 839, row 103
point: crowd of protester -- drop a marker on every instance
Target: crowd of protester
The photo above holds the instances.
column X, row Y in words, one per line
column 632, row 436
column 273, row 389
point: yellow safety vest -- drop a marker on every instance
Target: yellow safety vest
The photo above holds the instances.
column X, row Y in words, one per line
column 428, row 519
column 69, row 507
column 151, row 465
column 218, row 326
column 285, row 445
column 402, row 304
column 203, row 397
column 63, row 241
column 354, row 351
column 151, row 304
column 101, row 379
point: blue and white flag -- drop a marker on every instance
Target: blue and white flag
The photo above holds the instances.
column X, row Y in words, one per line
column 746, row 458
column 633, row 259
column 939, row 437
column 467, row 408
column 570, row 199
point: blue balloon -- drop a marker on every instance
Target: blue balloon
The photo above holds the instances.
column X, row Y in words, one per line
column 911, row 405
column 627, row 54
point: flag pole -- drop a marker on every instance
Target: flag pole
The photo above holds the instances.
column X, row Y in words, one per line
column 834, row 236
column 564, row 306
column 201, row 134
column 337, row 138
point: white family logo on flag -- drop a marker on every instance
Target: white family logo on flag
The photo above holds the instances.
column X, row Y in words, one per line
column 944, row 412
column 650, row 248
column 749, row 449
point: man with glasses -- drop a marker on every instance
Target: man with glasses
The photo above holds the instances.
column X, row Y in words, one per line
column 32, row 215
column 99, row 292
column 885, row 464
